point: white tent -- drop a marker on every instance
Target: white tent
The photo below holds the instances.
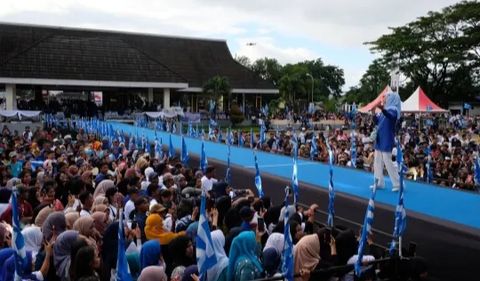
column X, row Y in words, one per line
column 419, row 102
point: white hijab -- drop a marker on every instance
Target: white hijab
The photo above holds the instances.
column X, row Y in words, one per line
column 276, row 241
column 218, row 240
column 33, row 239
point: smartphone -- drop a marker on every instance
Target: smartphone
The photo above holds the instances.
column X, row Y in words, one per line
column 232, row 194
column 134, row 225
column 412, row 249
column 261, row 224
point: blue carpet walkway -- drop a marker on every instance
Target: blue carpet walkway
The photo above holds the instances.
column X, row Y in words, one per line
column 443, row 203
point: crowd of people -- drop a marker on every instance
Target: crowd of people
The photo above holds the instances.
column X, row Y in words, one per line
column 73, row 190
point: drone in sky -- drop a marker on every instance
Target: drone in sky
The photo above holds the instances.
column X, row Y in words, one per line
column 251, row 44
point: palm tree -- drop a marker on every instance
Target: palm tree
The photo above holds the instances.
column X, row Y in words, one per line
column 215, row 87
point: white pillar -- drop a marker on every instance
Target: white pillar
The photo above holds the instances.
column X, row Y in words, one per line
column 166, row 98
column 150, row 95
column 10, row 96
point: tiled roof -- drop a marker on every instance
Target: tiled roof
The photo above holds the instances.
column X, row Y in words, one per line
column 78, row 54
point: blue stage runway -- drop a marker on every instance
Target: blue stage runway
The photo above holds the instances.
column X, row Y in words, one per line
column 443, row 203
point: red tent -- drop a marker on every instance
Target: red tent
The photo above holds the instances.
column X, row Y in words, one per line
column 419, row 102
column 374, row 103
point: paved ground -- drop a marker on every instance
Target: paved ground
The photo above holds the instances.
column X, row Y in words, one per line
column 447, row 247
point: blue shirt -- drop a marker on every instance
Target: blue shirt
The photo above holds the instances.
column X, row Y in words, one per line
column 16, row 169
column 386, row 123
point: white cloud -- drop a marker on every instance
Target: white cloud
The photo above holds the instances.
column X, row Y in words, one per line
column 345, row 24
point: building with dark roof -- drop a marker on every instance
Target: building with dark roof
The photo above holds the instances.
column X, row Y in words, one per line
column 164, row 67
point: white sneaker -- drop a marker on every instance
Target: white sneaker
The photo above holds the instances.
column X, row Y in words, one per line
column 395, row 189
column 378, row 187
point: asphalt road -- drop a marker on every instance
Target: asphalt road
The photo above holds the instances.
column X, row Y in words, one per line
column 452, row 250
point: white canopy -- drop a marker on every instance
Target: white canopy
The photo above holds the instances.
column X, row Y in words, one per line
column 419, row 102
column 19, row 113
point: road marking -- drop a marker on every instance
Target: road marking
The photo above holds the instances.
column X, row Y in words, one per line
column 283, row 165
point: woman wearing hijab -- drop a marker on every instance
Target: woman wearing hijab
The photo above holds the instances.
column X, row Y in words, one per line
column 87, row 179
column 271, row 262
column 153, row 273
column 306, row 255
column 100, row 221
column 275, row 241
column 37, row 211
column 85, row 226
column 72, row 217
column 154, row 230
column 62, row 253
column 33, row 239
column 219, row 271
column 110, row 249
column 8, row 269
column 86, row 262
column 189, row 273
column 4, row 255
column 181, row 249
column 55, row 223
column 150, row 254
column 386, row 121
column 102, row 187
column 243, row 263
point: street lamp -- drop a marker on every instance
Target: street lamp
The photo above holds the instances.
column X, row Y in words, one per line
column 310, row 75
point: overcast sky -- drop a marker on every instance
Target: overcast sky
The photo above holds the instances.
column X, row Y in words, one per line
column 289, row 31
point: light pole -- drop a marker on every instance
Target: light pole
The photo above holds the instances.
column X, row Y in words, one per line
column 310, row 75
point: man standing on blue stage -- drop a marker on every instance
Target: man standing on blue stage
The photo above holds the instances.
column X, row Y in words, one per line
column 386, row 121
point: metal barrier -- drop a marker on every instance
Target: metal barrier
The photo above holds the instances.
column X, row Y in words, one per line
column 343, row 269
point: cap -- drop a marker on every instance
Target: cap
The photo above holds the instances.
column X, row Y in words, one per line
column 167, row 177
column 246, row 212
column 157, row 208
column 152, row 175
column 67, row 137
column 13, row 154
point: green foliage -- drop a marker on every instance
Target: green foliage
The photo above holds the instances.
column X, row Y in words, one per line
column 215, row 87
column 236, row 116
column 293, row 81
column 439, row 52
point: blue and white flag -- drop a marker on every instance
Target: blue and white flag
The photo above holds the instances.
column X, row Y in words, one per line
column 313, row 147
column 258, row 178
column 203, row 133
column 331, row 189
column 241, row 140
column 295, row 176
column 287, row 255
column 174, row 128
column 467, row 106
column 220, row 138
column 167, row 127
column 228, row 166
column 171, row 149
column 18, row 242
column 476, row 174
column 203, row 159
column 429, row 165
column 206, row 257
column 400, row 213
column 252, row 140
column 185, row 157
column 367, row 228
column 262, row 135
column 123, row 272
column 212, row 105
column 277, row 140
column 213, row 123
column 353, row 147
column 197, row 132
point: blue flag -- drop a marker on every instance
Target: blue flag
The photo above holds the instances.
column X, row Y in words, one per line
column 171, row 149
column 228, row 166
column 477, row 171
column 331, row 189
column 313, row 147
column 287, row 255
column 400, row 213
column 241, row 140
column 353, row 147
column 367, row 228
column 258, row 178
column 467, row 106
column 18, row 242
column 203, row 159
column 295, row 176
column 252, row 140
column 123, row 273
column 158, row 148
column 220, row 138
column 185, row 157
column 429, row 168
column 206, row 257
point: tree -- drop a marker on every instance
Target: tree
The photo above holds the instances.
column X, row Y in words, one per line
column 243, row 60
column 375, row 79
column 290, row 86
column 268, row 69
column 215, row 87
column 439, row 52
